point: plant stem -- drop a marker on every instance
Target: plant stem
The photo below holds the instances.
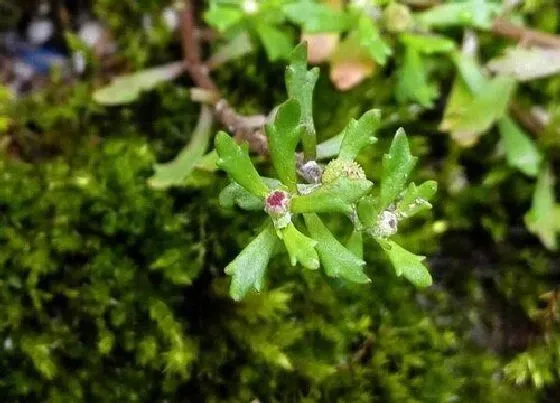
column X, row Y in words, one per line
column 248, row 128
column 524, row 35
column 309, row 141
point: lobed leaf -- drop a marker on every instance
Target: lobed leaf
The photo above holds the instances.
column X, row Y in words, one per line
column 235, row 194
column 235, row 160
column 300, row 248
column 248, row 268
column 396, row 167
column 283, row 137
column 300, row 83
column 337, row 261
column 406, row 264
column 359, row 133
column 336, row 196
column 416, row 199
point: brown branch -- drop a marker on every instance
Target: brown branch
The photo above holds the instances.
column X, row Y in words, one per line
column 524, row 35
column 248, row 128
column 191, row 50
column 526, row 118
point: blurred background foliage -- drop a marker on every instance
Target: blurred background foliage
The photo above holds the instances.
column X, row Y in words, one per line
column 113, row 291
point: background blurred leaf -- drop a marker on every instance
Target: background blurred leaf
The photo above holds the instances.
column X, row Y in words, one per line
column 486, row 107
column 521, row 152
column 471, row 71
column 428, row 44
column 277, row 43
column 236, row 47
column 413, row 80
column 222, row 16
column 527, row 64
column 126, row 89
column 475, row 13
column 457, row 102
column 543, row 218
column 174, row 173
column 315, row 18
column 370, row 39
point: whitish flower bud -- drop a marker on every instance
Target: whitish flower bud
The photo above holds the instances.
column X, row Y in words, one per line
column 339, row 167
column 397, row 17
column 386, row 224
column 311, row 172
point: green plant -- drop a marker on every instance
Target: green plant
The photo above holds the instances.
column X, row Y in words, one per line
column 340, row 187
column 113, row 290
column 362, row 36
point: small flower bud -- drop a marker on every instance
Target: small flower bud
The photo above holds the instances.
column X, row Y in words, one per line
column 339, row 167
column 397, row 17
column 386, row 224
column 311, row 172
column 277, row 205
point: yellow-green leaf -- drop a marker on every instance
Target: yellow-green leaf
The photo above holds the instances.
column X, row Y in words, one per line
column 406, row 264
column 283, row 137
column 300, row 248
column 248, row 268
column 337, row 261
column 126, row 89
column 174, row 173
column 234, row 159
column 521, row 152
